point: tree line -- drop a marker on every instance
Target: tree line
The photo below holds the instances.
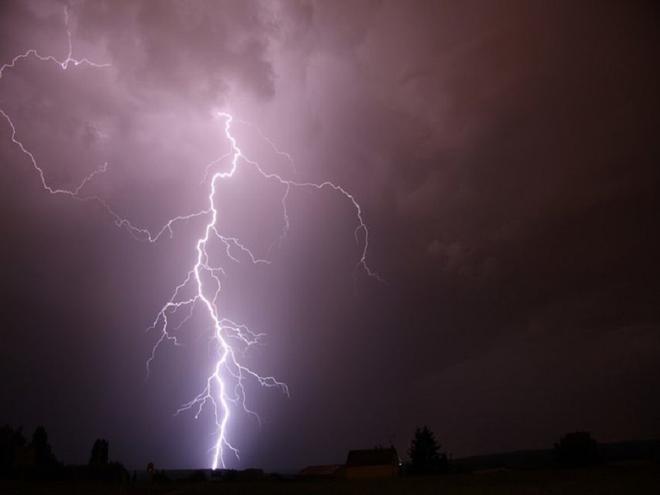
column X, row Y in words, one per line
column 34, row 459
column 574, row 450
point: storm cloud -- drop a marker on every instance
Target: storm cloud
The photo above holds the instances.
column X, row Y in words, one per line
column 506, row 160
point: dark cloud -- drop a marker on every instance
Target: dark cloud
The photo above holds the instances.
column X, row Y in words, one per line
column 506, row 160
column 191, row 49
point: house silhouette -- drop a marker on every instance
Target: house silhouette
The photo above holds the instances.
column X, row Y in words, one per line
column 372, row 463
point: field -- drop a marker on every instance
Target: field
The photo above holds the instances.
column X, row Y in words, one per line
column 622, row 479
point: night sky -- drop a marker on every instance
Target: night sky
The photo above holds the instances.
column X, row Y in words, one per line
column 506, row 158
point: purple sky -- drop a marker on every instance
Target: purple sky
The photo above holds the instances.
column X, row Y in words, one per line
column 505, row 155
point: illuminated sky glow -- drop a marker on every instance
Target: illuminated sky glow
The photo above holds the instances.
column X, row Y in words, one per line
column 503, row 156
column 226, row 385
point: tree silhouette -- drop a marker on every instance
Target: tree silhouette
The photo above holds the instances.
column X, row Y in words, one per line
column 11, row 442
column 99, row 455
column 425, row 455
column 43, row 454
column 576, row 449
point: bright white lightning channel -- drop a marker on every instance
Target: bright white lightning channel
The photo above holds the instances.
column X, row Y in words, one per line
column 225, row 387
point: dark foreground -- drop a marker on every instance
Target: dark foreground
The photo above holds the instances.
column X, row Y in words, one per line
column 621, row 479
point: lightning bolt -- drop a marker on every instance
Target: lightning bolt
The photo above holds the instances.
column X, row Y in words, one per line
column 225, row 386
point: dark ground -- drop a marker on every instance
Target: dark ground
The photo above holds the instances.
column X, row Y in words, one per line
column 631, row 478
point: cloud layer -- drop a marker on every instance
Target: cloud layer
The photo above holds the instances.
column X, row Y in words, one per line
column 505, row 157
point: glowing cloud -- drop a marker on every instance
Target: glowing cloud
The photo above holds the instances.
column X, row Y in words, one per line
column 225, row 387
